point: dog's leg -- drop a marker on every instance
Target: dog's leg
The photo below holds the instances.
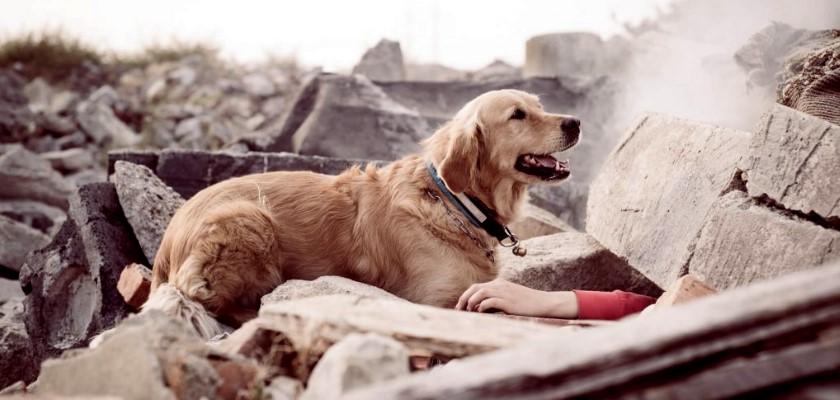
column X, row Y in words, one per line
column 234, row 260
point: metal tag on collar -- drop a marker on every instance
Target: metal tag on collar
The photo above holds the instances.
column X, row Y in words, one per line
column 514, row 242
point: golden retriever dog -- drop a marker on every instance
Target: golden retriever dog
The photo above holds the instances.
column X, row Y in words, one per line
column 392, row 227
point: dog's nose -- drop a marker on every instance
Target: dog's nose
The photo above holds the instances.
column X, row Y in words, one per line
column 571, row 125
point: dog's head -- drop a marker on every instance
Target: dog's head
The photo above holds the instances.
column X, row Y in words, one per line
column 503, row 134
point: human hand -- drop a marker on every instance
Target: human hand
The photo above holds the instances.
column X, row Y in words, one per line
column 511, row 298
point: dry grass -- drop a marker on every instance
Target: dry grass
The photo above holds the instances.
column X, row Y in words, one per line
column 51, row 55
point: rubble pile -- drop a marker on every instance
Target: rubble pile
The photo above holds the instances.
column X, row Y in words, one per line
column 741, row 227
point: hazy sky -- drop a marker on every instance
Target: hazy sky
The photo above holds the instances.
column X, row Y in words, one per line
column 459, row 33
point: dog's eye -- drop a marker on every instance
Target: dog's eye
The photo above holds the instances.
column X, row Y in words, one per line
column 518, row 114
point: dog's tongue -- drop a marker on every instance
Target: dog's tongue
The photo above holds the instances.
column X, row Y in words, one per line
column 546, row 161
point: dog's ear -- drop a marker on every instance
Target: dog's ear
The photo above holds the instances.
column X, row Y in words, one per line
column 460, row 165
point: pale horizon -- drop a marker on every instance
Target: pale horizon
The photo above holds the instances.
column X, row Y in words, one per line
column 332, row 34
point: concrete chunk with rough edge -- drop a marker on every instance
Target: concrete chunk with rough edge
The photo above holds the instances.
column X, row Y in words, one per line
column 24, row 175
column 147, row 202
column 572, row 260
column 655, row 189
column 641, row 353
column 743, row 242
column 18, row 240
column 295, row 289
column 794, row 158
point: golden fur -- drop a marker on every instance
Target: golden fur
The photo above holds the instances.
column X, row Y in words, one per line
column 235, row 241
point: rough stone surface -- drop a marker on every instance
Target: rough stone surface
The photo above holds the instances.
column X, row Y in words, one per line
column 44, row 218
column 188, row 171
column 71, row 284
column 347, row 117
column 97, row 119
column 538, row 222
column 654, row 191
column 147, row 202
column 383, row 62
column 567, row 201
column 70, row 160
column 127, row 364
column 16, row 356
column 24, row 175
column 794, row 159
column 16, row 120
column 357, row 361
column 639, row 354
column 572, row 260
column 295, row 289
column 9, row 290
column 743, row 241
column 18, row 240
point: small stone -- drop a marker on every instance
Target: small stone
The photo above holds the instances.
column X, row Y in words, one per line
column 70, row 160
column 18, row 240
column 97, row 119
column 16, row 354
column 147, row 203
column 37, row 215
column 357, row 361
column 135, row 284
column 258, row 85
column 24, row 175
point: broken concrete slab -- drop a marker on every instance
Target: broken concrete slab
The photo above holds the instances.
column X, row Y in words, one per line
column 744, row 241
column 295, row 289
column 572, row 260
column 355, row 362
column 640, row 354
column 17, row 361
column 18, row 241
column 567, row 201
column 654, row 191
column 308, row 327
column 24, row 175
column 127, row 364
column 793, row 160
column 97, row 119
column 147, row 202
column 71, row 284
column 188, row 171
column 9, row 290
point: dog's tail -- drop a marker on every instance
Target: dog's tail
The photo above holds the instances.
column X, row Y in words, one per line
column 171, row 301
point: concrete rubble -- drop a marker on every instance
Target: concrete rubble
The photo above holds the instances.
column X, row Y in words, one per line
column 742, row 227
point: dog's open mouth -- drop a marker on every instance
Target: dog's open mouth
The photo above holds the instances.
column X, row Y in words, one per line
column 543, row 166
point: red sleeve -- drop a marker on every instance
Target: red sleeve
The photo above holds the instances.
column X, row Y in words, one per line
column 610, row 305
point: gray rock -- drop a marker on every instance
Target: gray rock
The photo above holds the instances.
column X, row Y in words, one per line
column 147, row 202
column 16, row 120
column 572, row 260
column 567, row 201
column 383, row 62
column 18, row 241
column 188, row 171
column 39, row 93
column 654, row 191
column 755, row 335
column 70, row 160
column 432, row 72
column 258, row 85
column 744, row 241
column 24, row 175
column 357, row 361
column 71, row 284
column 294, row 289
column 16, row 355
column 127, row 363
column 794, row 159
column 97, row 119
column 44, row 218
column 348, row 117
column 86, row 176
column 10, row 290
